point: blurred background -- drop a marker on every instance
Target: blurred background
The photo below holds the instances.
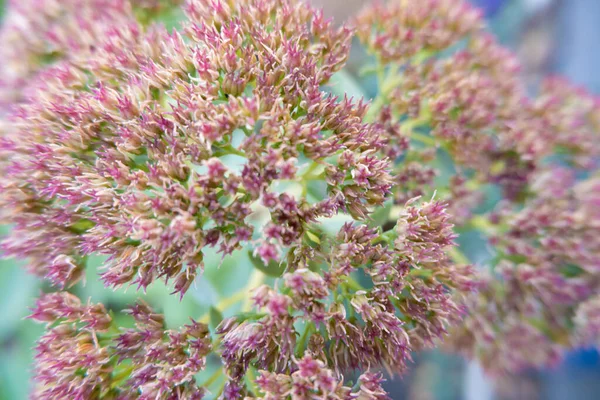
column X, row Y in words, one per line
column 551, row 37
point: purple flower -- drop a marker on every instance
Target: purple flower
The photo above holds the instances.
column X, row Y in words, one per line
column 150, row 147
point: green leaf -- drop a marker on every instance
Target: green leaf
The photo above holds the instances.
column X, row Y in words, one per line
column 273, row 269
column 215, row 318
column 172, row 18
column 381, row 215
column 250, row 380
column 14, row 369
column 572, row 271
column 314, row 238
column 16, row 359
column 178, row 312
column 236, row 267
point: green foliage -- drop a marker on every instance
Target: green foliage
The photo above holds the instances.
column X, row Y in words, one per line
column 273, row 268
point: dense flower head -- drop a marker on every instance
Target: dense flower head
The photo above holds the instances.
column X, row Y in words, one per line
column 175, row 142
column 571, row 121
column 80, row 356
column 470, row 103
column 399, row 30
column 312, row 379
column 149, row 148
column 407, row 305
column 450, row 94
column 547, row 279
column 38, row 33
column 155, row 146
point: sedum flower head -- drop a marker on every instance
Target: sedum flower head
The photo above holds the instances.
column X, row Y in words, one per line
column 126, row 155
column 450, row 98
column 547, row 270
column 152, row 148
column 38, row 33
column 159, row 146
column 408, row 306
column 399, row 30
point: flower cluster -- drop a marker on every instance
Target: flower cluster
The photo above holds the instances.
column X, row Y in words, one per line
column 471, row 105
column 406, row 303
column 38, row 33
column 149, row 148
column 313, row 380
column 449, row 92
column 399, row 30
column 148, row 137
column 159, row 146
column 345, row 326
column 548, row 257
column 125, row 155
column 80, row 356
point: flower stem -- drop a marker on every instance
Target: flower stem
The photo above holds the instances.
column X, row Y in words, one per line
column 213, row 378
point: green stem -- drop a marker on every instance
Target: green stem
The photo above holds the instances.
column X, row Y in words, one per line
column 225, row 304
column 213, row 378
column 309, row 171
column 388, row 236
column 119, row 377
column 228, row 149
column 309, row 175
column 256, row 280
column 310, row 327
column 221, row 388
column 387, row 84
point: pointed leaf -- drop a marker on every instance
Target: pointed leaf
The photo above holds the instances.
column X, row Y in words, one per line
column 215, row 318
column 273, row 269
